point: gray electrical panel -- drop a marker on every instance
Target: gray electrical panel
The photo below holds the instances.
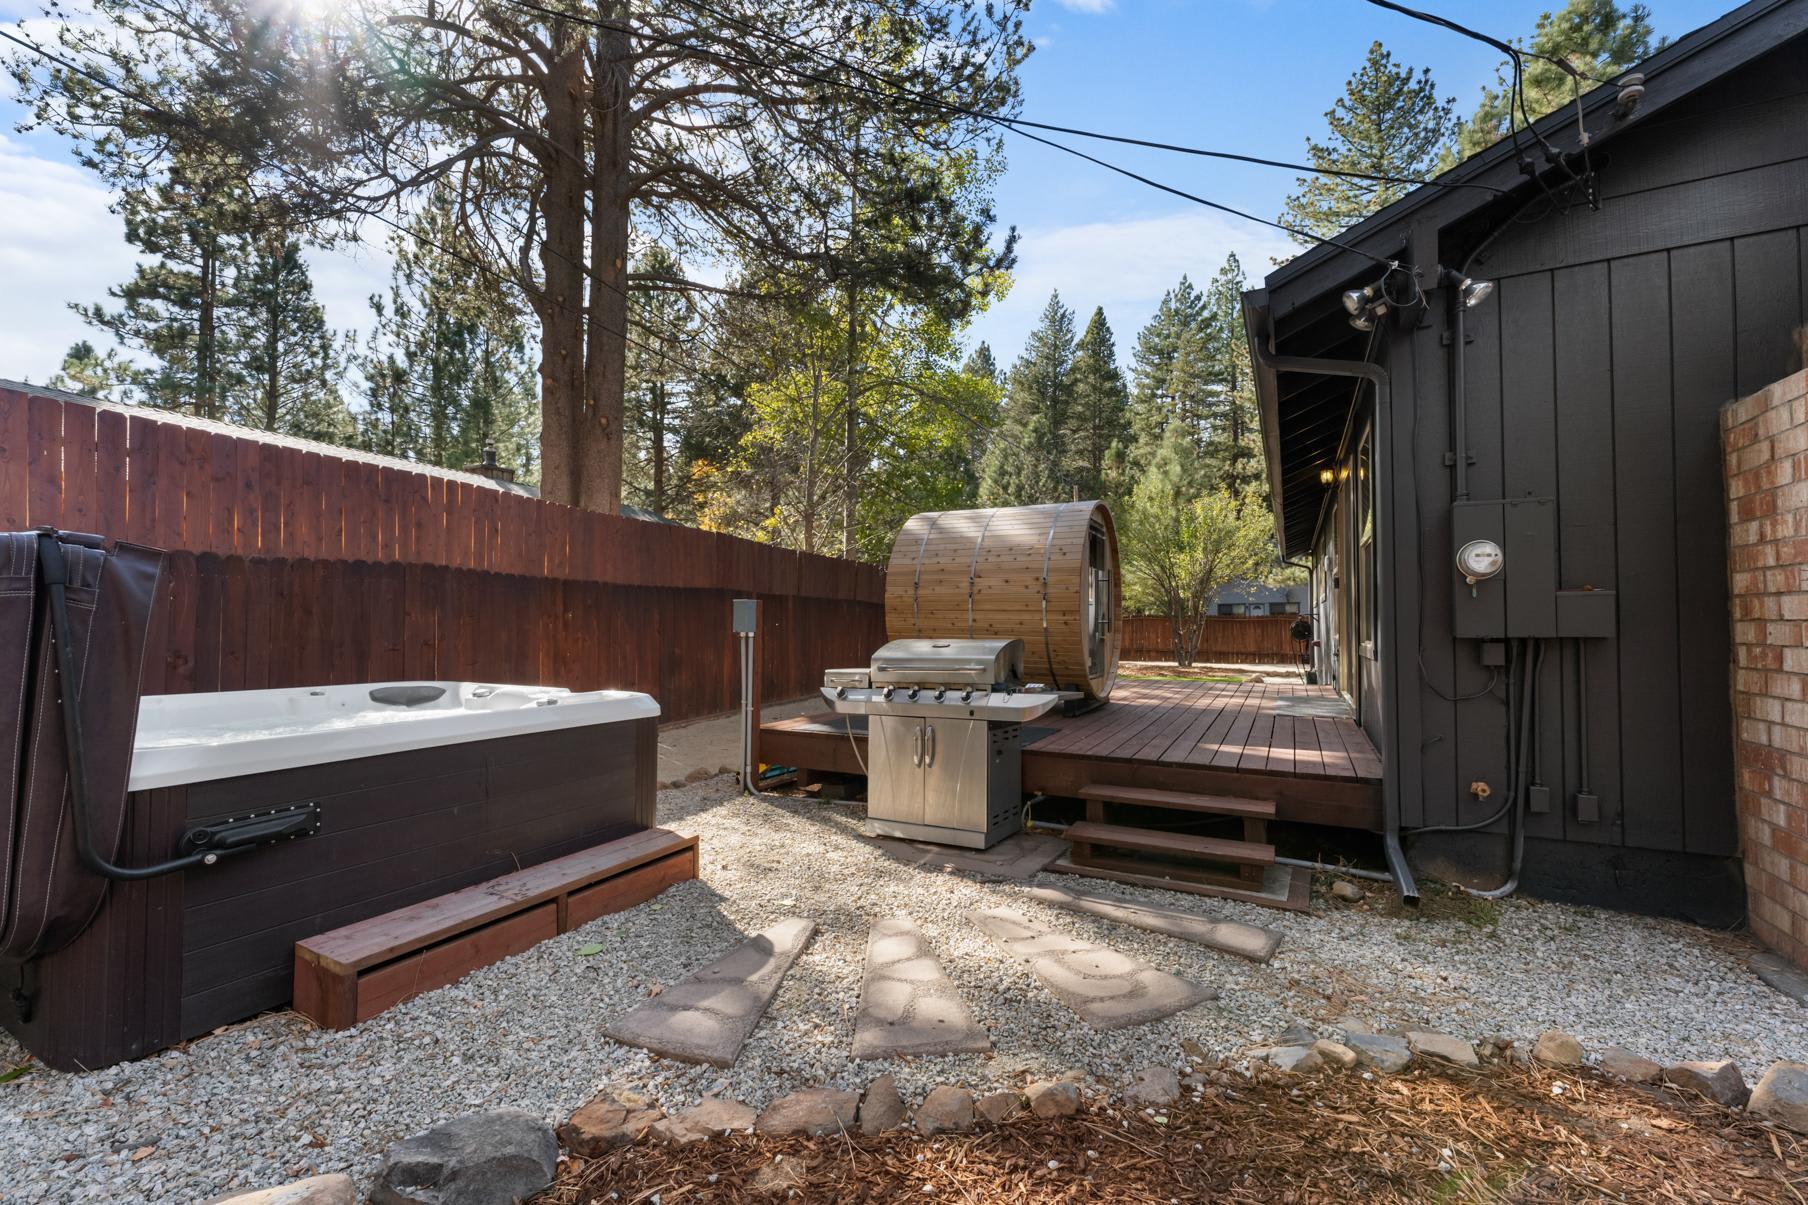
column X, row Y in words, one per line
column 1521, row 600
column 746, row 616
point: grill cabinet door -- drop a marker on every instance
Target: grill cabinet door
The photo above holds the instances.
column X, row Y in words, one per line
column 895, row 783
column 954, row 774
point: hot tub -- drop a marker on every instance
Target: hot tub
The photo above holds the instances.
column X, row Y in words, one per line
column 420, row 788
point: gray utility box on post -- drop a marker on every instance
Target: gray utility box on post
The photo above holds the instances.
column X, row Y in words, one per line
column 1523, row 600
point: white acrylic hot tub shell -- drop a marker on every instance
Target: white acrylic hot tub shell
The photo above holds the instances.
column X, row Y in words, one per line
column 199, row 737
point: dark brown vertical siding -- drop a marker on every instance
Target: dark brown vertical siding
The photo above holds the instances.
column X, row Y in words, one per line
column 1702, row 362
column 1528, row 375
column 1645, row 499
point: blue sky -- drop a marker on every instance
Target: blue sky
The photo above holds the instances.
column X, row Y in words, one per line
column 1253, row 76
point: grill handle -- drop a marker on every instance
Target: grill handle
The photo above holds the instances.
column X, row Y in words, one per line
column 929, row 751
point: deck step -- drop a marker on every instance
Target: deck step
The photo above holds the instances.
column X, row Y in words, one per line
column 1247, row 853
column 1181, row 801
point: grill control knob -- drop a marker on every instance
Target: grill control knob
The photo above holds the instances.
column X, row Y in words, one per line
column 841, row 692
column 967, row 695
column 888, row 694
column 913, row 694
column 941, row 693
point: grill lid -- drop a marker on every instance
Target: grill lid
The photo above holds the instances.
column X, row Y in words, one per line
column 918, row 662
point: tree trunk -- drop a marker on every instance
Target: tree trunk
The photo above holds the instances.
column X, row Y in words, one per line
column 560, row 308
column 272, row 363
column 599, row 426
column 658, row 448
column 851, row 466
column 205, row 365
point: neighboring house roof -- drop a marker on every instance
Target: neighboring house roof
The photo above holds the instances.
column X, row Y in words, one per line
column 1299, row 310
column 290, row 441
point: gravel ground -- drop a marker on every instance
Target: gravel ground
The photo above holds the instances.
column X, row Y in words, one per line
column 272, row 1099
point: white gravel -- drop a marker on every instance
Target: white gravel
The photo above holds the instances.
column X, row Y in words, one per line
column 272, row 1099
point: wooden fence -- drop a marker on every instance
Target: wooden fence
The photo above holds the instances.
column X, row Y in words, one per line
column 1239, row 639
column 291, row 567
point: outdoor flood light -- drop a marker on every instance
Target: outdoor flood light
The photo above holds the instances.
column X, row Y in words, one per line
column 1475, row 292
column 1479, row 560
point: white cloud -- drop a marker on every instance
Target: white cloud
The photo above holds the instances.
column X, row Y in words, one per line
column 1088, row 6
column 59, row 243
column 1124, row 266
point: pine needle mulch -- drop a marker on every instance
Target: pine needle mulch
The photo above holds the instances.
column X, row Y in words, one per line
column 1504, row 1134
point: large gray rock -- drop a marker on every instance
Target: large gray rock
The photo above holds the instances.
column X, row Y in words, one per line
column 1297, row 1059
column 1153, row 1087
column 315, row 1190
column 1054, row 1098
column 1557, row 1049
column 882, row 1108
column 604, row 1123
column 1383, row 1052
column 1621, row 1063
column 710, row 1118
column 1442, row 1046
column 1782, row 1096
column 816, row 1111
column 946, row 1110
column 1346, row 891
column 493, row 1158
column 1718, row 1080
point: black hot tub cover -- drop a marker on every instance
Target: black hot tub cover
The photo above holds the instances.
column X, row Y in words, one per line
column 48, row 892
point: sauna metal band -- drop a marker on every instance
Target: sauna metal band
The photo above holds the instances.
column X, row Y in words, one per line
column 916, row 582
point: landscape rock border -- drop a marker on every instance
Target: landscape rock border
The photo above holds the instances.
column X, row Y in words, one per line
column 442, row 1164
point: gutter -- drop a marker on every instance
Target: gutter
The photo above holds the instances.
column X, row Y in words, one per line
column 1378, row 377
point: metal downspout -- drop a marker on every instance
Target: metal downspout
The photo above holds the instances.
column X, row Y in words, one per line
column 1377, row 376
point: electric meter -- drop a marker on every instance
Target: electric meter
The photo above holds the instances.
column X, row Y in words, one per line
column 1478, row 560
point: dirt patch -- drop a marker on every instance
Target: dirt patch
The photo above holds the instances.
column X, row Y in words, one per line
column 1167, row 671
column 1506, row 1133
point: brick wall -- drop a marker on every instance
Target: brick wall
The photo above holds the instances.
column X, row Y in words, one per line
column 1766, row 445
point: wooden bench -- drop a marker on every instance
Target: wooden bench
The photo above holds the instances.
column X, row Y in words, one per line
column 353, row 973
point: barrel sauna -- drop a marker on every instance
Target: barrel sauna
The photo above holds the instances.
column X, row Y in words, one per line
column 1045, row 575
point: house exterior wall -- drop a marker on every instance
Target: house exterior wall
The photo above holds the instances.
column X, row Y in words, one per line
column 1594, row 377
column 1766, row 448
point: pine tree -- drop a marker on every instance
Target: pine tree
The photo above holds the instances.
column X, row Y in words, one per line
column 1153, row 402
column 91, row 374
column 1232, row 439
column 658, row 396
column 1389, row 121
column 981, row 364
column 191, row 223
column 286, row 363
column 1100, row 415
column 1038, row 401
column 445, row 372
column 1597, row 37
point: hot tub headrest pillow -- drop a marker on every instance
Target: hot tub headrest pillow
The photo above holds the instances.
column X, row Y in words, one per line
column 47, row 894
column 407, row 696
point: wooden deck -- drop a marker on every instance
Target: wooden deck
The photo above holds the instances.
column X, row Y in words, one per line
column 1293, row 744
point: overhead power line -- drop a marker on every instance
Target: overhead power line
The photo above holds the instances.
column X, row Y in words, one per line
column 1004, row 122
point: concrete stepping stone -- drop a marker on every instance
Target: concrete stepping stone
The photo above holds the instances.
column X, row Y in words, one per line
column 706, row 1016
column 1231, row 937
column 1107, row 989
column 907, row 1005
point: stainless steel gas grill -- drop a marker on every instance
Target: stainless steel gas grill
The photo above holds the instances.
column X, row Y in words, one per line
column 944, row 737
